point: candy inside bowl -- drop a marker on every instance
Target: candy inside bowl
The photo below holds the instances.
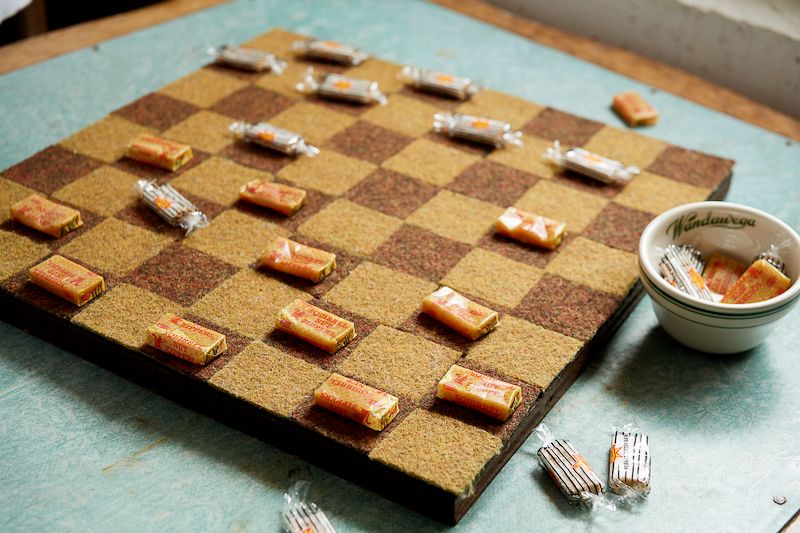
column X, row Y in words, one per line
column 738, row 232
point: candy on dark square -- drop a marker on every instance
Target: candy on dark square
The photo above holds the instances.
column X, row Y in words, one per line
column 315, row 201
column 139, row 214
column 368, row 142
column 391, row 193
column 445, row 103
column 492, row 182
column 257, row 157
column 570, row 130
column 245, row 75
column 152, row 172
column 585, row 183
column 471, row 147
column 521, row 251
column 689, row 166
column 181, row 274
column 157, row 111
column 421, row 253
column 253, row 104
column 618, row 226
column 89, row 219
column 502, row 429
column 299, row 348
column 51, row 169
column 567, row 307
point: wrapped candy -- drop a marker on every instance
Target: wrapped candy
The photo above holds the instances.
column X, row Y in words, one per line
column 332, row 51
column 761, row 281
column 300, row 514
column 479, row 392
column 531, row 228
column 478, row 129
column 248, row 59
column 439, row 82
column 681, row 266
column 629, row 464
column 338, row 87
column 171, row 206
column 569, row 470
column 590, row 164
column 273, row 137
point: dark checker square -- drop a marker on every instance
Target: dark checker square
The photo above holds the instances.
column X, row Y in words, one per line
column 162, row 175
column 419, row 252
column 52, row 168
column 315, row 201
column 181, row 274
column 89, row 219
column 566, row 307
column 443, row 102
column 618, row 226
column 366, row 141
column 140, row 215
column 553, row 124
column 257, row 157
column 391, row 193
column 492, row 182
column 688, row 166
column 499, row 428
column 157, row 111
column 252, row 104
column 307, row 352
column 520, row 251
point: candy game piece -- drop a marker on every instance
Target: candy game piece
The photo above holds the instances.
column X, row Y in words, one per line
column 679, row 266
column 333, row 51
column 530, row 228
column 171, row 206
column 569, row 470
column 46, row 216
column 629, row 463
column 590, row 164
column 300, row 514
column 315, row 326
column 186, row 340
column 356, row 401
column 634, row 110
column 338, row 87
column 276, row 196
column 721, row 272
column 439, row 83
column 159, row 152
column 250, row 59
column 772, row 259
column 459, row 313
column 477, row 129
column 67, row 279
column 298, row 260
column 761, row 281
column 273, row 137
column 479, row 392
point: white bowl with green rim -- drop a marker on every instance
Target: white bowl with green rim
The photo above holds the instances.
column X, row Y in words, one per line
column 735, row 230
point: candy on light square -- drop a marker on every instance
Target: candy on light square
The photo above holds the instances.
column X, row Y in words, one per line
column 152, row 150
column 48, row 217
column 721, row 272
column 479, row 392
column 216, row 179
column 297, row 259
column 186, row 340
column 634, row 109
column 531, row 228
column 284, row 199
column 459, row 313
column 67, row 279
column 761, row 281
column 315, row 326
column 356, row 401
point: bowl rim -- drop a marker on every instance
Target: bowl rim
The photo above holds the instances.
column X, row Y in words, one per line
column 715, row 308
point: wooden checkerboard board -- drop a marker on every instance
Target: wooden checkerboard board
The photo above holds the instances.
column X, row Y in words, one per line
column 404, row 209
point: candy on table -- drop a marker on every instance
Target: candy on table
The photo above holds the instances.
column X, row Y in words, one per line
column 761, row 281
column 477, row 129
column 300, row 514
column 590, row 164
column 721, row 272
column 567, row 468
column 531, row 228
column 273, row 137
column 169, row 155
column 171, row 206
column 459, row 313
column 479, row 392
column 250, row 59
column 46, row 216
column 67, row 279
column 315, row 326
column 298, row 260
column 352, row 399
column 338, row 87
column 186, row 340
column 681, row 266
column 629, row 463
column 333, row 51
column 281, row 198
column 439, row 82
column 634, row 109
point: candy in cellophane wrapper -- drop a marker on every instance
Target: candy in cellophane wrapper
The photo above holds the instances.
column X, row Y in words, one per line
column 477, row 129
column 338, row 87
column 332, row 51
column 590, row 164
column 629, row 466
column 171, row 206
column 273, row 137
column 250, row 59
column 681, row 266
column 300, row 514
column 439, row 83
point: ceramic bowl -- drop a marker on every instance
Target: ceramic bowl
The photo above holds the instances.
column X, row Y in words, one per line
column 734, row 230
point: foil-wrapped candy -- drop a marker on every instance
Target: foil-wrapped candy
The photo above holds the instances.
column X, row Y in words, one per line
column 332, row 51
column 590, row 164
column 248, row 59
column 439, row 82
column 477, row 129
column 338, row 87
column 273, row 137
column 171, row 206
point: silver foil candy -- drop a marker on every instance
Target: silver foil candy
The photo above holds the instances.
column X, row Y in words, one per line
column 338, row 87
column 300, row 515
column 171, row 205
column 477, row 129
column 332, row 51
column 682, row 267
column 590, row 164
column 248, row 59
column 274, row 138
column 439, row 82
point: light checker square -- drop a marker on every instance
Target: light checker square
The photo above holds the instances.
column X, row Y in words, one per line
column 204, row 130
column 560, row 202
column 329, row 172
column 105, row 191
column 203, row 88
column 456, row 217
column 106, row 139
column 217, row 179
column 430, row 161
column 596, row 265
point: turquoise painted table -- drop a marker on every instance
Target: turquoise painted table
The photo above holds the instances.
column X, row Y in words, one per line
column 82, row 449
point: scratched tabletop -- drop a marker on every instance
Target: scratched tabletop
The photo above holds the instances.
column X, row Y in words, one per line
column 83, row 449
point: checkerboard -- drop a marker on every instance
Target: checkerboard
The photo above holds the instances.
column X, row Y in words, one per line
column 404, row 209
